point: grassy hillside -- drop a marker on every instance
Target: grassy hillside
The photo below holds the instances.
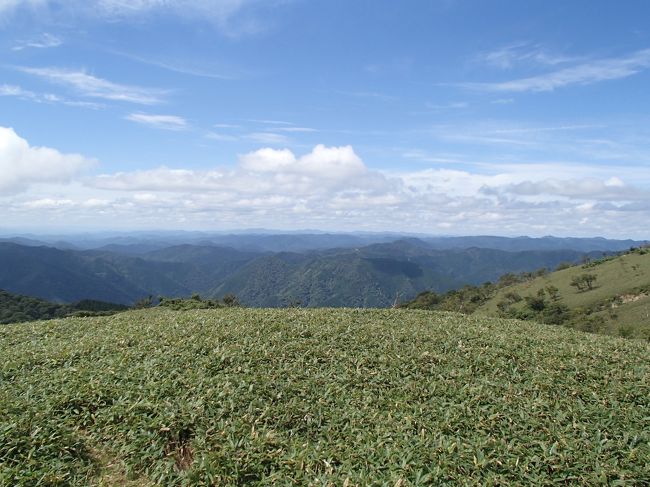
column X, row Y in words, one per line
column 319, row 397
column 619, row 300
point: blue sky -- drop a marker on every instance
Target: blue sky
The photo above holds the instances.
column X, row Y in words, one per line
column 439, row 116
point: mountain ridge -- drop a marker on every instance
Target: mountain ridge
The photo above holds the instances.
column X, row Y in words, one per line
column 373, row 275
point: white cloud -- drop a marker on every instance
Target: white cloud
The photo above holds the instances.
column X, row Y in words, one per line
column 323, row 163
column 48, row 204
column 185, row 66
column 164, row 122
column 265, row 171
column 269, row 160
column 332, row 188
column 45, row 41
column 581, row 74
column 10, row 5
column 221, row 13
column 275, row 135
column 267, row 138
column 523, row 52
column 436, row 158
column 215, row 9
column 163, row 179
column 368, row 94
column 13, row 90
column 269, row 122
column 91, row 86
column 221, row 137
column 589, row 188
column 447, row 106
column 22, row 165
column 226, row 126
column 294, row 129
column 19, row 92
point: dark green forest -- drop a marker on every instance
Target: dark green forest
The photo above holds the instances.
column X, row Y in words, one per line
column 15, row 308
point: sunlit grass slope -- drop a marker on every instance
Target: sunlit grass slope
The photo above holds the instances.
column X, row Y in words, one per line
column 621, row 295
column 319, row 397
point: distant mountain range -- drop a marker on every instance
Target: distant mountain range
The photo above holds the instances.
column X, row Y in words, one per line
column 265, row 241
column 279, row 270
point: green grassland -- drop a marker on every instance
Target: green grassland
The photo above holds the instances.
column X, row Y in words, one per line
column 345, row 397
column 621, row 294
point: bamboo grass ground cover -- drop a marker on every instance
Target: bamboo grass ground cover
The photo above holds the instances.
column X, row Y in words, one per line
column 319, row 397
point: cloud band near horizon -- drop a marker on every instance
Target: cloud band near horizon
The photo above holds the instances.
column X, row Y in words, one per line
column 327, row 187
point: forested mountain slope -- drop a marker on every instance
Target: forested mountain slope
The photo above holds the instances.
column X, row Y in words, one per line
column 371, row 276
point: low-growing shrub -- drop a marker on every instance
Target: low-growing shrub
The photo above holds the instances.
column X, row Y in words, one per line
column 263, row 397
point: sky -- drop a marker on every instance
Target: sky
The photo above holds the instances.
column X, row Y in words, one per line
column 444, row 117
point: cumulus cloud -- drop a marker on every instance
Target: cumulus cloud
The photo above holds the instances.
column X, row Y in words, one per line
column 332, row 188
column 22, row 165
column 612, row 189
column 324, row 163
column 269, row 160
column 162, row 179
column 324, row 170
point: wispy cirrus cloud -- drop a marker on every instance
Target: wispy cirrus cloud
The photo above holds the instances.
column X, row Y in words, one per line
column 581, row 74
column 604, row 142
column 229, row 16
column 91, row 86
column 226, row 126
column 266, row 131
column 201, row 69
column 224, row 14
column 268, row 122
column 295, row 129
column 221, row 137
column 45, row 41
column 23, row 94
column 7, row 6
column 518, row 53
column 19, row 92
column 454, row 105
column 163, row 122
column 368, row 94
column 267, row 138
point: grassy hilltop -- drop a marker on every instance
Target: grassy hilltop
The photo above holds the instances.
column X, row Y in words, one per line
column 319, row 397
